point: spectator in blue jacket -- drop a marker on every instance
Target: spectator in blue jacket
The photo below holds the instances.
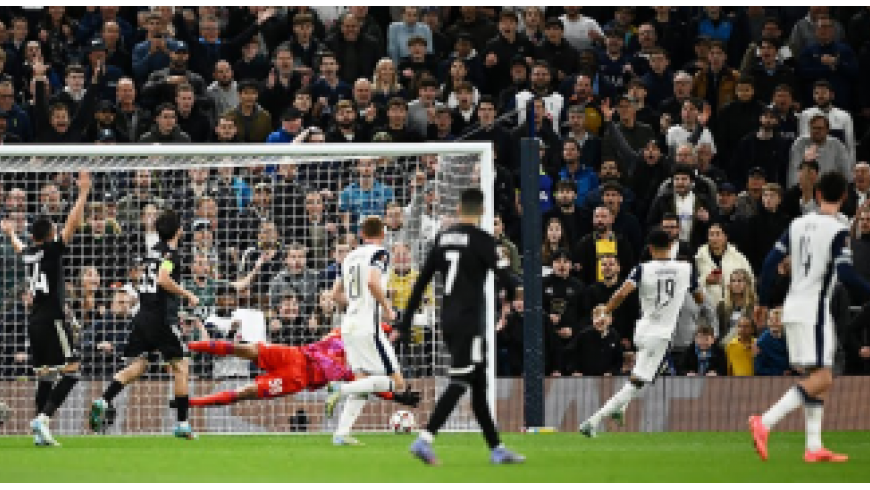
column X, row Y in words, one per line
column 399, row 33
column 771, row 352
column 829, row 60
column 152, row 54
column 572, row 170
column 291, row 125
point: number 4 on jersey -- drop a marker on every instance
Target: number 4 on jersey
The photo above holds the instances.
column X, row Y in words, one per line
column 38, row 282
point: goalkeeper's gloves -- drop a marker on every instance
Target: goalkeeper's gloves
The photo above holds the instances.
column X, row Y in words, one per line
column 408, row 398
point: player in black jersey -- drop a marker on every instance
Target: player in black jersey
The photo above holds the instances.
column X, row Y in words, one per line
column 155, row 326
column 53, row 343
column 463, row 254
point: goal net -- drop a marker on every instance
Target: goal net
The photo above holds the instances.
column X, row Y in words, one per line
column 265, row 227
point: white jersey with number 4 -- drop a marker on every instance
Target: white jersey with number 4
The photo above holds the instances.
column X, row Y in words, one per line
column 661, row 287
column 362, row 308
column 816, row 243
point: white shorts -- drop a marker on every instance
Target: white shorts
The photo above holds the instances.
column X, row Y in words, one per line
column 368, row 350
column 809, row 346
column 650, row 353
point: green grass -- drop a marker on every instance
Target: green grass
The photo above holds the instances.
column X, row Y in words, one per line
column 685, row 457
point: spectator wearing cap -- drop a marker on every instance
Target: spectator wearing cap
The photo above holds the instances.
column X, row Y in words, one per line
column 695, row 210
column 105, row 123
column 477, row 26
column 829, row 152
column 564, row 306
column 399, row 33
column 718, row 83
column 329, row 89
column 191, row 118
column 92, row 22
column 208, row 48
column 768, row 71
column 290, row 128
column 165, row 128
column 56, row 123
column 599, row 242
column 736, row 119
column 829, row 59
column 97, row 53
column 764, row 148
column 418, row 63
column 541, row 86
column 766, row 226
column 633, row 132
column 800, row 198
column 500, row 50
column 563, row 59
column 356, row 53
column 152, row 54
column 253, row 123
column 839, row 120
column 672, row 106
column 161, row 84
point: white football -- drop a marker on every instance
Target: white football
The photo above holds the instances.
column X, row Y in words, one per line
column 5, row 412
column 402, row 422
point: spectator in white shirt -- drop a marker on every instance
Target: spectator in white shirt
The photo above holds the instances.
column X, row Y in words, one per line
column 839, row 120
column 580, row 31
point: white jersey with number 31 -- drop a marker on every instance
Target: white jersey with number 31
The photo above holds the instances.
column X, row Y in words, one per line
column 362, row 308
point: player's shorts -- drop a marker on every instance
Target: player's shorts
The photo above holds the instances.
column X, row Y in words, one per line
column 52, row 342
column 148, row 336
column 650, row 354
column 467, row 350
column 368, row 350
column 809, row 345
column 286, row 370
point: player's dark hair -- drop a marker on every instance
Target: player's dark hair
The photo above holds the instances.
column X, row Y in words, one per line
column 471, row 202
column 659, row 239
column 40, row 228
column 832, row 185
column 372, row 227
column 167, row 225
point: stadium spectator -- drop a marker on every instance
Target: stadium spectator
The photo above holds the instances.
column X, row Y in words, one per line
column 694, row 210
column 563, row 58
column 704, row 357
column 600, row 292
column 554, row 240
column 672, row 106
column 104, row 340
column 506, row 250
column 509, row 339
column 400, row 33
column 769, row 71
column 766, row 226
column 502, row 49
column 800, row 198
column 290, row 128
column 141, row 193
column 254, row 124
column 829, row 59
column 858, row 191
column 223, row 90
column 56, row 123
column 398, row 125
column 839, row 121
column 716, row 261
column 479, row 29
column 820, row 147
column 635, row 133
column 601, row 242
column 541, row 86
column 316, row 229
column 295, row 277
column 152, row 54
column 165, row 128
column 770, row 350
column 567, row 211
column 225, row 130
column 305, row 45
column 765, row 148
column 289, row 326
column 385, row 82
column 356, row 53
column 739, row 300
column 161, row 84
column 598, row 351
column 328, row 88
column 737, row 118
column 738, row 351
column 364, row 197
column 564, row 306
column 580, row 31
column 692, row 128
column 191, row 118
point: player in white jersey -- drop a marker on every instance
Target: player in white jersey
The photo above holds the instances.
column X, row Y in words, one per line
column 817, row 245
column 362, row 288
column 662, row 284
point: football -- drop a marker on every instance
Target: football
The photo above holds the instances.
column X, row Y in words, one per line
column 402, row 422
column 5, row 412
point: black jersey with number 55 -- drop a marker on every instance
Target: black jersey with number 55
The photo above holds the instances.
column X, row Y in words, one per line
column 45, row 278
column 156, row 303
column 463, row 254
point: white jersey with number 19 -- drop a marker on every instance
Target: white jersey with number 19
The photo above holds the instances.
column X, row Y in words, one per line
column 362, row 308
column 661, row 287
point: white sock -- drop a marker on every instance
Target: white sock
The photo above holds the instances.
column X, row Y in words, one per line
column 813, row 415
column 790, row 401
column 352, row 408
column 371, row 384
column 426, row 436
column 616, row 402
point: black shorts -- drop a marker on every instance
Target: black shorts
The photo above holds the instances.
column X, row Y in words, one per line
column 148, row 336
column 53, row 342
column 467, row 349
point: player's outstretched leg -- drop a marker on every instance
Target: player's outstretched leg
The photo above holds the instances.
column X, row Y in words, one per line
column 102, row 405
column 353, row 406
column 615, row 405
column 760, row 426
column 180, row 368
column 43, row 390
column 59, row 392
column 480, row 406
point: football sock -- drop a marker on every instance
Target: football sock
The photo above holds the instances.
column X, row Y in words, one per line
column 445, row 406
column 222, row 398
column 43, row 389
column 790, row 401
column 59, row 393
column 369, row 384
column 112, row 390
column 182, row 404
column 480, row 407
column 616, row 402
column 813, row 413
column 216, row 347
column 352, row 408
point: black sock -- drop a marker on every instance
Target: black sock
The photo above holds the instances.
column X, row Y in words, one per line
column 112, row 391
column 43, row 389
column 480, row 407
column 182, row 403
column 59, row 393
column 445, row 406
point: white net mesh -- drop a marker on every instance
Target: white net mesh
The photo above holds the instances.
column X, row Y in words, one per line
column 300, row 209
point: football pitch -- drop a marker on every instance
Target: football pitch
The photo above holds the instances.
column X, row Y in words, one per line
column 680, row 457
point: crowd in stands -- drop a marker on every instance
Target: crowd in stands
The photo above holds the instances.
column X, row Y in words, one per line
column 713, row 123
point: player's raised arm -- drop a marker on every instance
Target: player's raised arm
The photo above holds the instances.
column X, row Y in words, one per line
column 8, row 229
column 78, row 211
column 619, row 296
column 165, row 281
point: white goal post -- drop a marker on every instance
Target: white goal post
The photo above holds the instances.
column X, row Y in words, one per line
column 132, row 181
